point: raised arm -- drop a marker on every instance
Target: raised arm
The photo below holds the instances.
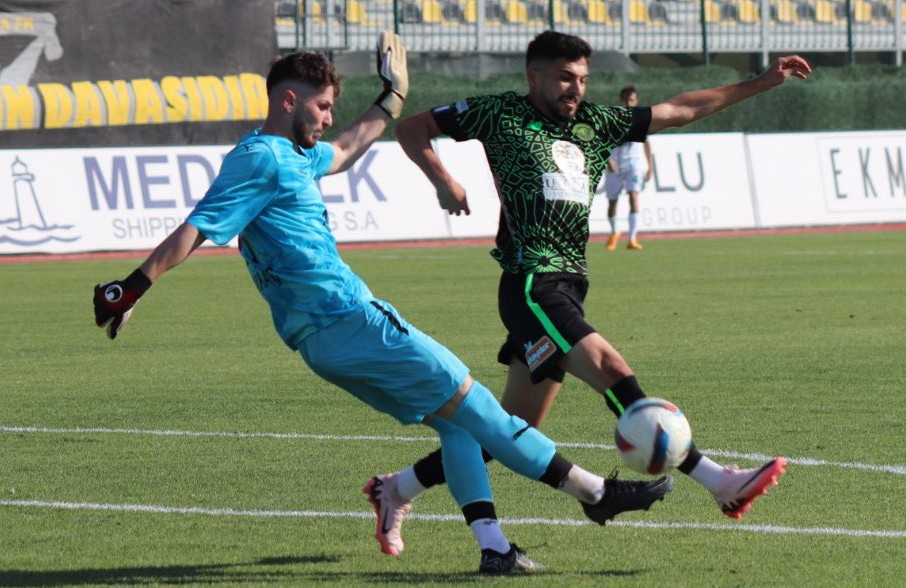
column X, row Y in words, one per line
column 691, row 106
column 414, row 135
column 356, row 138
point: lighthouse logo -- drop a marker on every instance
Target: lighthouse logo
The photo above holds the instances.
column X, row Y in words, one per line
column 22, row 220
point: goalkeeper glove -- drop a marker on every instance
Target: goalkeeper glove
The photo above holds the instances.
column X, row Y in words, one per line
column 113, row 301
column 392, row 69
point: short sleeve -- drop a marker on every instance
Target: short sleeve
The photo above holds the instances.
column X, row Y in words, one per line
column 247, row 182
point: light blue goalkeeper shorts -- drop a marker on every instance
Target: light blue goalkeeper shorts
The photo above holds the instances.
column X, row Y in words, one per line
column 382, row 360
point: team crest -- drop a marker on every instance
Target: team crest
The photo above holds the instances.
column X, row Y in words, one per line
column 583, row 132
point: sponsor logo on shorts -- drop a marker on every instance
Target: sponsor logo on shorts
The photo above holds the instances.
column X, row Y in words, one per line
column 540, row 352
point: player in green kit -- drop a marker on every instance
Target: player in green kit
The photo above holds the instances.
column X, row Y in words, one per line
column 547, row 151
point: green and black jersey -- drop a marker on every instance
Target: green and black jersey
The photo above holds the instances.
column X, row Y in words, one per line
column 546, row 173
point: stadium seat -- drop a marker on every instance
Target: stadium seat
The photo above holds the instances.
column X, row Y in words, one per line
column 638, row 12
column 356, row 13
column 561, row 12
column 784, row 12
column 748, row 12
column 657, row 12
column 826, row 12
column 515, row 12
column 713, row 14
column 494, row 12
column 598, row 12
column 421, row 12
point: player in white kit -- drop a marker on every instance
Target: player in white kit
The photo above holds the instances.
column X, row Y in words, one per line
column 629, row 168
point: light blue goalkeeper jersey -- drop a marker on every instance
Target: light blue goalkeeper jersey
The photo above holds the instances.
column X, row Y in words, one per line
column 266, row 194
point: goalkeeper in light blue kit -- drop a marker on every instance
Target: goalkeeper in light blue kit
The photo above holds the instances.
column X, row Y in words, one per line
column 266, row 195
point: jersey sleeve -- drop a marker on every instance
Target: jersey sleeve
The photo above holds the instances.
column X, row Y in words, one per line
column 466, row 119
column 619, row 124
column 641, row 122
column 247, row 182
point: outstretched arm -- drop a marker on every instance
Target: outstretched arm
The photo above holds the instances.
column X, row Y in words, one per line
column 172, row 251
column 697, row 104
column 414, row 135
column 113, row 301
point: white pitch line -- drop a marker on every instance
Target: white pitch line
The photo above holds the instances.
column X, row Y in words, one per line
column 899, row 470
column 230, row 512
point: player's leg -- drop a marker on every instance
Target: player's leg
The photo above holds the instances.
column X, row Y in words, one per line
column 522, row 397
column 469, row 484
column 613, row 185
column 595, row 361
column 634, row 220
column 396, row 491
column 526, row 451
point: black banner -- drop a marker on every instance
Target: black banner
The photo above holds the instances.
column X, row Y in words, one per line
column 76, row 73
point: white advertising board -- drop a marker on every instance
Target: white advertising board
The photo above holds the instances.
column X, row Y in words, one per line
column 68, row 200
column 829, row 178
column 74, row 200
column 700, row 182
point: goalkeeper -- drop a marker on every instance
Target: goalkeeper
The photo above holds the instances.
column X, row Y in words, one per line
column 266, row 194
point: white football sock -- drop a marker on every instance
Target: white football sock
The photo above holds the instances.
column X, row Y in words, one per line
column 407, row 484
column 633, row 225
column 707, row 473
column 489, row 535
column 583, row 485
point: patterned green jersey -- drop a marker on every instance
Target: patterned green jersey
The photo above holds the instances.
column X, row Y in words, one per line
column 545, row 173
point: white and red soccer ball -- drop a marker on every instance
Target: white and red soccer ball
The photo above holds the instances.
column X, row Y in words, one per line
column 653, row 436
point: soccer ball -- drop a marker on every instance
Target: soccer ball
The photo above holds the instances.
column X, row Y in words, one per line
column 653, row 436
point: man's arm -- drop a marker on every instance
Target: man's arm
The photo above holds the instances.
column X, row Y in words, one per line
column 393, row 71
column 113, row 301
column 414, row 135
column 356, row 138
column 172, row 251
column 650, row 157
column 697, row 104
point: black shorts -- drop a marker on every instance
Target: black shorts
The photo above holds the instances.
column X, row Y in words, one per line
column 544, row 318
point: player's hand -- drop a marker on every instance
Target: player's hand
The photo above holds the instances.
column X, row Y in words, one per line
column 453, row 199
column 784, row 68
column 113, row 301
column 394, row 73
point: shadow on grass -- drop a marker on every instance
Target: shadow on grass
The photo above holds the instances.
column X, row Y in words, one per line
column 177, row 574
column 250, row 572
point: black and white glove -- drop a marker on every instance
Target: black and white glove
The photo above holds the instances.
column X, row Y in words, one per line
column 113, row 301
column 393, row 71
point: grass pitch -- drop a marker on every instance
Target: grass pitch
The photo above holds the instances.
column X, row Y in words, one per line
column 196, row 449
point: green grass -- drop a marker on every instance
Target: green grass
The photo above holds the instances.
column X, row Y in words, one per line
column 771, row 344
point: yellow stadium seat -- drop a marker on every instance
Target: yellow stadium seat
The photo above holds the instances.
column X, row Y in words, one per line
column 432, row 11
column 638, row 12
column 826, row 12
column 598, row 12
column 712, row 12
column 785, row 11
column 561, row 12
column 515, row 12
column 862, row 11
column 356, row 13
column 748, row 12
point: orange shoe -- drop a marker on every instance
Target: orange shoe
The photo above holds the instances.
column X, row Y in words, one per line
column 633, row 244
column 612, row 241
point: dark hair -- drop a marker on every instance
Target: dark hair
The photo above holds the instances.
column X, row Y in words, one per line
column 551, row 45
column 626, row 92
column 310, row 68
